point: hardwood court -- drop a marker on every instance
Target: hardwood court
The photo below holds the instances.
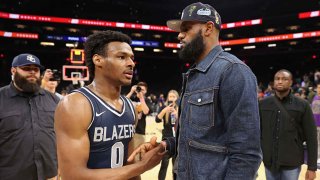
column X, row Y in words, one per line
column 154, row 129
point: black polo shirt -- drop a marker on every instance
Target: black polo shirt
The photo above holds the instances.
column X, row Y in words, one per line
column 27, row 137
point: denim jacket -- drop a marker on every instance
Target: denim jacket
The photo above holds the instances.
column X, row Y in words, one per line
column 219, row 128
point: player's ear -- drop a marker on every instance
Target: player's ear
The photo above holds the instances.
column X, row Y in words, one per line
column 97, row 59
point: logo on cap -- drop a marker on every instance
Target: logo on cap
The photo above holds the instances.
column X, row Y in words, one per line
column 31, row 58
column 192, row 9
column 216, row 15
column 197, row 12
column 204, row 12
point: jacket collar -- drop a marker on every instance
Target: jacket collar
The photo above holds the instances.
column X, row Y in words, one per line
column 15, row 92
column 287, row 98
column 209, row 59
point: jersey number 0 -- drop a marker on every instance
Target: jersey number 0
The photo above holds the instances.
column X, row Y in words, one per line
column 117, row 153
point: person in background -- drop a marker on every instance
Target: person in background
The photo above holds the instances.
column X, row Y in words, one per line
column 297, row 94
column 311, row 94
column 316, row 114
column 260, row 94
column 306, row 81
column 64, row 92
column 138, row 94
column 161, row 100
column 317, row 77
column 27, row 137
column 269, row 91
column 168, row 115
column 47, row 74
column 76, row 83
column 286, row 122
column 303, row 92
column 154, row 104
column 52, row 84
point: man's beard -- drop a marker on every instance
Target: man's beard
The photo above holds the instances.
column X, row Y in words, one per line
column 282, row 90
column 25, row 85
column 194, row 49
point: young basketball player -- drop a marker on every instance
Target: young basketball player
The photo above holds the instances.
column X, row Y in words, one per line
column 95, row 124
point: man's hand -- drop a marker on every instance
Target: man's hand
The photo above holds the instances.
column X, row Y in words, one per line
column 169, row 108
column 140, row 95
column 133, row 89
column 310, row 175
column 145, row 147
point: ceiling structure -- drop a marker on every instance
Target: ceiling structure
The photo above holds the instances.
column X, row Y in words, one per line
column 279, row 17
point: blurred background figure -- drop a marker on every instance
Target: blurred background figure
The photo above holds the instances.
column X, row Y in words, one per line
column 76, row 83
column 51, row 86
column 306, row 81
column 50, row 82
column 161, row 100
column 138, row 95
column 269, row 91
column 316, row 113
column 260, row 94
column 168, row 114
column 47, row 74
column 154, row 104
column 317, row 77
column 311, row 94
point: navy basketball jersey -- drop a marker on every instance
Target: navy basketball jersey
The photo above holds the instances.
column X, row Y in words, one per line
column 110, row 131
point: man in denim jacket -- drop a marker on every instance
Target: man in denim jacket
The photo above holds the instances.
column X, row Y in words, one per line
column 219, row 135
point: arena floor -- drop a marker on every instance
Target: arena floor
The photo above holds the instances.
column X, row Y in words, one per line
column 154, row 129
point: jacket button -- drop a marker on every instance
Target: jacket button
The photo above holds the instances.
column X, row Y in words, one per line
column 199, row 100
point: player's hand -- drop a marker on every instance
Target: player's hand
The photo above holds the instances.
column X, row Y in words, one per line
column 143, row 149
column 153, row 157
column 310, row 175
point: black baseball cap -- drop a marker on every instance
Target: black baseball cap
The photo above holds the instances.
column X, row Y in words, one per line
column 196, row 12
column 26, row 59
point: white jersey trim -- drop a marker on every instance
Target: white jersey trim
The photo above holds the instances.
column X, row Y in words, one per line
column 131, row 108
column 92, row 107
column 106, row 106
